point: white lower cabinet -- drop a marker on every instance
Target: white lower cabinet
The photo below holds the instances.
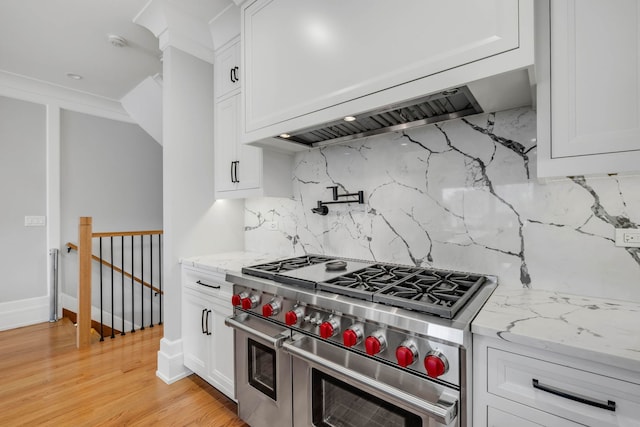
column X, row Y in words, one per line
column 515, row 385
column 207, row 342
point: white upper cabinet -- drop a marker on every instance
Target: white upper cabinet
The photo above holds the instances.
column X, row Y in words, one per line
column 241, row 170
column 227, row 75
column 307, row 61
column 589, row 87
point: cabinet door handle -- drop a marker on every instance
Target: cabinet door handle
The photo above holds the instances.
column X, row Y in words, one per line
column 202, row 321
column 232, row 75
column 609, row 405
column 208, row 313
column 237, row 165
column 232, row 165
column 235, row 73
column 208, row 286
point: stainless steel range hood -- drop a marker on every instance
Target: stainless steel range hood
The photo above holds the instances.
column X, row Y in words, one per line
column 446, row 105
column 495, row 93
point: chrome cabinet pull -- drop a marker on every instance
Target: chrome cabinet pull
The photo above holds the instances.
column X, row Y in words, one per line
column 202, row 320
column 208, row 286
column 610, row 405
column 237, row 323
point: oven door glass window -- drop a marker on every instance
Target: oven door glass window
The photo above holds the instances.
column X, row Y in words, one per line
column 262, row 368
column 338, row 404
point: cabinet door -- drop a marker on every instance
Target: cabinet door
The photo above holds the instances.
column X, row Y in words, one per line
column 249, row 166
column 227, row 70
column 221, row 358
column 595, row 77
column 225, row 143
column 195, row 341
column 303, row 56
column 234, row 161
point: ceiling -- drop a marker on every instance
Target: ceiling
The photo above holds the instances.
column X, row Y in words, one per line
column 46, row 39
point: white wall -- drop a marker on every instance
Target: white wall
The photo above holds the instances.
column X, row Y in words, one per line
column 194, row 223
column 111, row 171
column 23, row 251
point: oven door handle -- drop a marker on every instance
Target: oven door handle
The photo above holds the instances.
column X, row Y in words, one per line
column 236, row 323
column 440, row 413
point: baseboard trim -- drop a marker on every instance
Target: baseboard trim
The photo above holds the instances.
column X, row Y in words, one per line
column 171, row 361
column 16, row 314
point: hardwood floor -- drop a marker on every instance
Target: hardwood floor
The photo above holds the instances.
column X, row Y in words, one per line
column 45, row 380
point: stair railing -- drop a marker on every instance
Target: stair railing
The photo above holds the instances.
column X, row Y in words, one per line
column 113, row 272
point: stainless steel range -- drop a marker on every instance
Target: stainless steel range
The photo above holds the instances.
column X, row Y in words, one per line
column 327, row 341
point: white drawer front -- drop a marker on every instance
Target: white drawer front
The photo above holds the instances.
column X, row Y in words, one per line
column 208, row 284
column 512, row 376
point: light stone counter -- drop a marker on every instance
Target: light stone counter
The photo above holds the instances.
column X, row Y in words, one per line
column 228, row 261
column 600, row 330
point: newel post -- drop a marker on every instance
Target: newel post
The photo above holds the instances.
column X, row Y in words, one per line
column 83, row 334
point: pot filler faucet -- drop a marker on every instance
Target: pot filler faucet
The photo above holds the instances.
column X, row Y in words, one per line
column 323, row 209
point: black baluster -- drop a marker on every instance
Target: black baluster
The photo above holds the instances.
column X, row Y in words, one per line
column 160, row 274
column 151, row 278
column 142, row 280
column 122, row 281
column 101, row 320
column 112, row 293
column 133, row 306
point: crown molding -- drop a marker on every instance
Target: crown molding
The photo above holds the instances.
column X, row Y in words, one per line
column 40, row 92
column 174, row 27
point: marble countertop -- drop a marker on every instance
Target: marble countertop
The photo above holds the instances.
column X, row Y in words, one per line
column 604, row 331
column 228, row 261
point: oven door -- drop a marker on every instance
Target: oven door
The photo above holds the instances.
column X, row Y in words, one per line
column 263, row 371
column 334, row 387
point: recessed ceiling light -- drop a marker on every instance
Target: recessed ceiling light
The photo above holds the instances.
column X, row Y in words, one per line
column 74, row 76
column 285, row 135
column 349, row 119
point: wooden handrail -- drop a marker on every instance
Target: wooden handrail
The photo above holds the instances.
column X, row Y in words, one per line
column 115, row 268
column 126, row 233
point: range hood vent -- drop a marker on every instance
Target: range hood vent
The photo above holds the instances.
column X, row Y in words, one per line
column 447, row 105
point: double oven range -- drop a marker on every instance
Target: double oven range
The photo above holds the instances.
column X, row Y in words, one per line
column 324, row 341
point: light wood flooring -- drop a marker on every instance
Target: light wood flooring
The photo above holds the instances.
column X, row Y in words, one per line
column 45, row 380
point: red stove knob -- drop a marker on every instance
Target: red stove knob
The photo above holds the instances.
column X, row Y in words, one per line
column 436, row 364
column 291, row 317
column 329, row 328
column 236, row 300
column 372, row 346
column 375, row 343
column 271, row 308
column 406, row 354
column 349, row 338
column 353, row 335
column 250, row 302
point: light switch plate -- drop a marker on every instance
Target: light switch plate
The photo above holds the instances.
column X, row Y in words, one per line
column 34, row 221
column 628, row 237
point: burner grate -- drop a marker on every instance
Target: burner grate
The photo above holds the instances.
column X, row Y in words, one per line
column 439, row 292
column 365, row 282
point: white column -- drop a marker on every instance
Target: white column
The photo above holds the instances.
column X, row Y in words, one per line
column 53, row 185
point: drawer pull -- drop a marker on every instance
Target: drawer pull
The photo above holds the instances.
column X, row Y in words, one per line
column 208, row 286
column 609, row 405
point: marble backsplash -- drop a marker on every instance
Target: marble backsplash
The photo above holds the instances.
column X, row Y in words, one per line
column 459, row 195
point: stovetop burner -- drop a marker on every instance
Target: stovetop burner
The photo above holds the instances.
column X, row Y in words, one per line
column 438, row 292
column 365, row 282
